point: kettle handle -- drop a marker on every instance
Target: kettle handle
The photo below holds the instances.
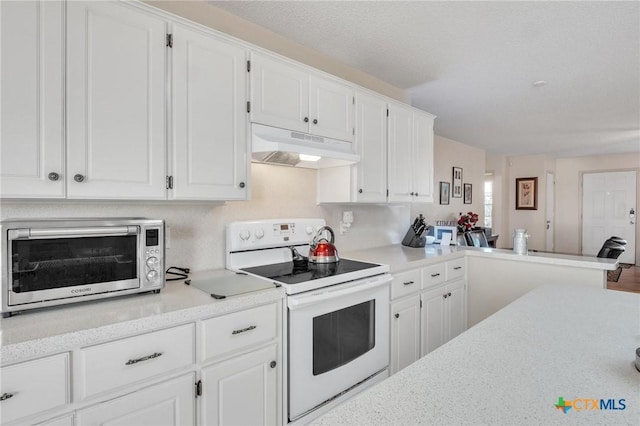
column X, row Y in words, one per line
column 318, row 235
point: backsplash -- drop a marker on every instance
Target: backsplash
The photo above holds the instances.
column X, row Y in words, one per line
column 197, row 230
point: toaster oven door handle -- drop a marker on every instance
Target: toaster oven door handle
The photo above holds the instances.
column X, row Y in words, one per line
column 73, row 232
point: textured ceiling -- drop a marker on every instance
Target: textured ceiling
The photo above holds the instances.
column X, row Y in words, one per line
column 473, row 64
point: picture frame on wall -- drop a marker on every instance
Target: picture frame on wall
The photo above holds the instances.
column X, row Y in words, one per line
column 527, row 193
column 444, row 192
column 457, row 182
column 467, row 193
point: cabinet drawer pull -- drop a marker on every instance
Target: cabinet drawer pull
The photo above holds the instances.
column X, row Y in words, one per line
column 144, row 358
column 457, row 267
column 6, row 396
column 53, row 176
column 435, row 275
column 251, row 327
column 408, row 283
column 79, row 178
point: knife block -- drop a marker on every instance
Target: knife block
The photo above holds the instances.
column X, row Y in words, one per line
column 411, row 239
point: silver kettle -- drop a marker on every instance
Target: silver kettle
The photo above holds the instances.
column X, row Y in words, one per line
column 323, row 250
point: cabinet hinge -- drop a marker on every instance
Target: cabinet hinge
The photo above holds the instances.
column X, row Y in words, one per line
column 169, row 182
column 387, row 112
column 354, row 100
column 387, row 192
column 169, row 40
column 420, row 303
column 248, row 66
column 248, row 106
column 198, row 388
column 354, row 131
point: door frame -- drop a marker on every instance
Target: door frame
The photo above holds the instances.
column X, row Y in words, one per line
column 581, row 199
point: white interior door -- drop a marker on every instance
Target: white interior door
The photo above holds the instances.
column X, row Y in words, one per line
column 608, row 208
column 549, row 213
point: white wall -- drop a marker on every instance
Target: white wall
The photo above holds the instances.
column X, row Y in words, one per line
column 569, row 194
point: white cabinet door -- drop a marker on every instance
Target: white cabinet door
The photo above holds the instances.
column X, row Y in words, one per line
column 209, row 146
column 371, row 144
column 168, row 403
column 331, row 108
column 422, row 157
column 433, row 319
column 400, row 161
column 405, row 333
column 279, row 94
column 242, row 390
column 456, row 309
column 31, row 99
column 66, row 420
column 116, row 96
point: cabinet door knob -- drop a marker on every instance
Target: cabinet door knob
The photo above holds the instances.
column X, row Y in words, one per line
column 79, row 178
column 6, row 396
column 273, row 364
column 449, row 294
column 241, row 185
column 360, row 191
column 53, row 176
column 315, row 121
column 397, row 315
column 416, row 194
column 444, row 295
column 412, row 194
column 306, row 119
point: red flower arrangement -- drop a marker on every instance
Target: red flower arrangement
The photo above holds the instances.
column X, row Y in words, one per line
column 467, row 221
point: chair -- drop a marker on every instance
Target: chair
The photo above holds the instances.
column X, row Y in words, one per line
column 612, row 249
column 461, row 240
column 477, row 238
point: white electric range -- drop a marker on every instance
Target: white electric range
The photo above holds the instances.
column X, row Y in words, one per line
column 338, row 313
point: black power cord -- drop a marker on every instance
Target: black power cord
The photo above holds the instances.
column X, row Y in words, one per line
column 180, row 273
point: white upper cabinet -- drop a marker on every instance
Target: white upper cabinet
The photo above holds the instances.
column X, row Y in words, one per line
column 209, row 142
column 31, row 99
column 410, row 163
column 371, row 144
column 116, row 97
column 290, row 97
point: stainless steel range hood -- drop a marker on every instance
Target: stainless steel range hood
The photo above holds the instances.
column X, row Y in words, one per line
column 272, row 145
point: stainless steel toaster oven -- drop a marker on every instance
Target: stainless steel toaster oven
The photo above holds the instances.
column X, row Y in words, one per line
column 58, row 261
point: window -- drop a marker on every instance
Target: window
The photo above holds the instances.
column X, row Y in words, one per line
column 488, row 200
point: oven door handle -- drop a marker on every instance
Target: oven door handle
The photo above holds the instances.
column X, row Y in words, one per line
column 341, row 290
column 34, row 233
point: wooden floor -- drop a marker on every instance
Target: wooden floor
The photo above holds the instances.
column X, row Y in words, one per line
column 629, row 280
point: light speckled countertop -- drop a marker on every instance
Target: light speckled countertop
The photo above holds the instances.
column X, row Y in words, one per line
column 400, row 258
column 556, row 341
column 41, row 332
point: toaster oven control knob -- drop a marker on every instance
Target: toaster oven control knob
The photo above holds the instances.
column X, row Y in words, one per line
column 309, row 230
column 153, row 262
column 152, row 275
column 244, row 234
column 259, row 233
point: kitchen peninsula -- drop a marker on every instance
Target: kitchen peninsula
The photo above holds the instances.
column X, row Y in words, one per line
column 558, row 341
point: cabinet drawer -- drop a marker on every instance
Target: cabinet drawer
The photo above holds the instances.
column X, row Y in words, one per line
column 126, row 361
column 34, row 386
column 432, row 275
column 455, row 269
column 232, row 332
column 405, row 283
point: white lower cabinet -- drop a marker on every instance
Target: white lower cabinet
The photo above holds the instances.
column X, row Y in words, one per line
column 428, row 308
column 242, row 390
column 405, row 332
column 167, row 403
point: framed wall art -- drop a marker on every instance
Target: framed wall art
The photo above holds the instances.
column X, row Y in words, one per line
column 457, row 182
column 527, row 193
column 444, row 192
column 467, row 193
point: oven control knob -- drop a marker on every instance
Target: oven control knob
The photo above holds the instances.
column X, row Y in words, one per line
column 152, row 275
column 259, row 233
column 244, row 234
column 309, row 230
column 152, row 262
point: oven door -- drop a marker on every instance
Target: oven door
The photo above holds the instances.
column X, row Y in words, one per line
column 57, row 263
column 338, row 337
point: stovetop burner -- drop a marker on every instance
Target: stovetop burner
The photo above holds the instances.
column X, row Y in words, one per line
column 288, row 273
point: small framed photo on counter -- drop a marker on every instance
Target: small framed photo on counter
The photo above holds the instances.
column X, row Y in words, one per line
column 444, row 192
column 467, row 193
column 527, row 193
